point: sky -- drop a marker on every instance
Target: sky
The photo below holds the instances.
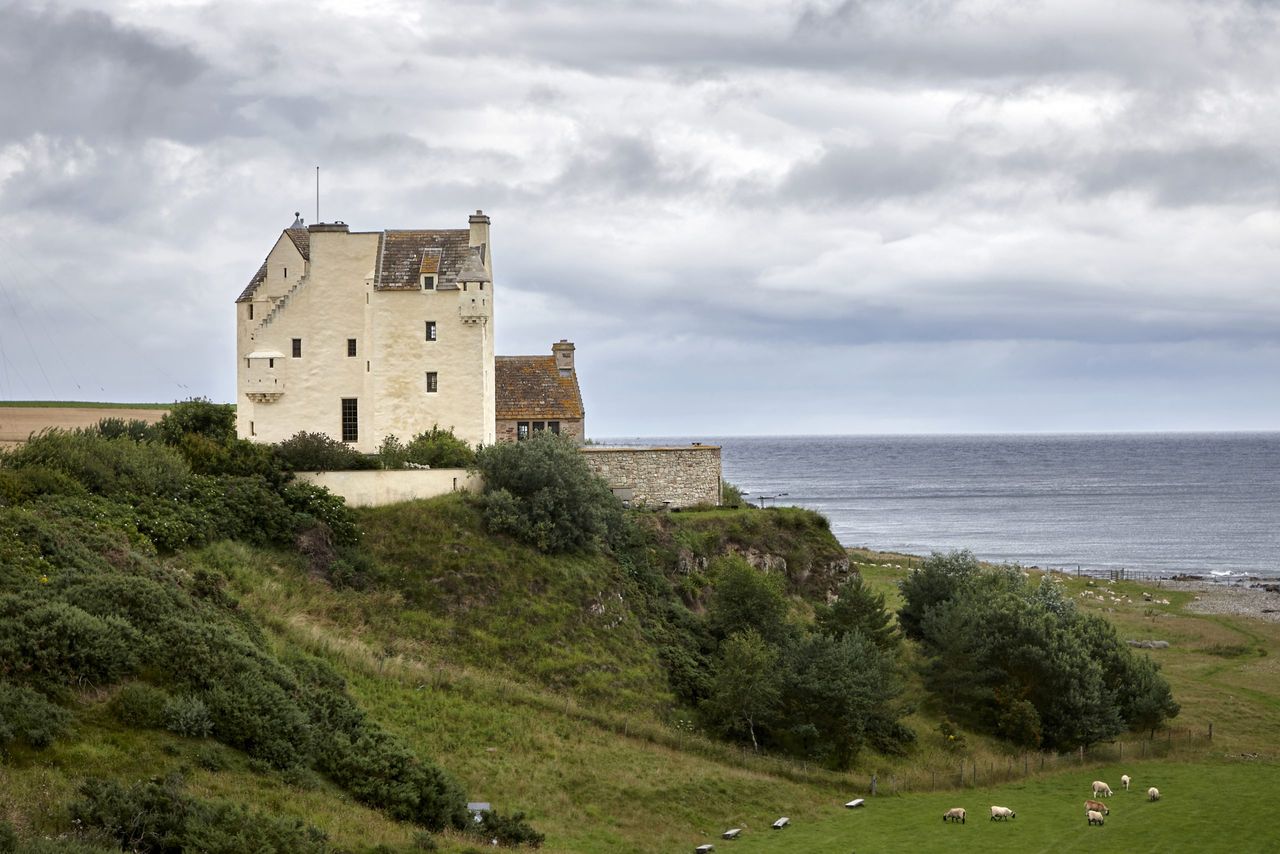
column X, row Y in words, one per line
column 826, row 217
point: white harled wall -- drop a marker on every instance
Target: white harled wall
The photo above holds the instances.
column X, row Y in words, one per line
column 387, row 376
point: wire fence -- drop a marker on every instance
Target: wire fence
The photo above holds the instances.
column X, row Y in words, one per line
column 968, row 774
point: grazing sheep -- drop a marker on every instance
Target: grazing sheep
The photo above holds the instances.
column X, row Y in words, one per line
column 1153, row 794
column 1094, row 816
column 1002, row 813
column 1124, row 781
column 954, row 814
column 1097, row 806
column 1101, row 789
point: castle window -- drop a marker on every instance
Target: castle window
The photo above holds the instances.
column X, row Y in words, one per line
column 554, row 427
column 285, row 273
column 297, row 348
column 432, row 382
column 251, row 311
column 252, row 432
column 351, row 347
column 350, row 420
column 539, row 426
column 522, row 430
column 431, row 330
column 428, row 282
column 271, row 363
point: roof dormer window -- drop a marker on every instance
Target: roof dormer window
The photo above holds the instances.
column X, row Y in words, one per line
column 428, row 281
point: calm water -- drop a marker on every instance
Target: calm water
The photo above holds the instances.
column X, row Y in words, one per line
column 1207, row 502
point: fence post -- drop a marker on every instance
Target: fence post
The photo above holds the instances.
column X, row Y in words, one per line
column 975, row 774
column 873, row 785
column 1082, row 754
column 1211, row 730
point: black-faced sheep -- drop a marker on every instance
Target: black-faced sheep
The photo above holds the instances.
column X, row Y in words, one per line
column 1002, row 813
column 1153, row 794
column 954, row 814
column 1093, row 816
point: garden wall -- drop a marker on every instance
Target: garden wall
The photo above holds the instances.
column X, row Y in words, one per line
column 376, row 488
column 659, row 477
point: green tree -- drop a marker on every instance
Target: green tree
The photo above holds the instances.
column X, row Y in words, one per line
column 745, row 598
column 857, row 608
column 937, row 579
column 198, row 416
column 439, row 449
column 747, row 686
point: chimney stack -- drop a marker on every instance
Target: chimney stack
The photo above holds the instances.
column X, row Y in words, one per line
column 563, row 351
column 479, row 223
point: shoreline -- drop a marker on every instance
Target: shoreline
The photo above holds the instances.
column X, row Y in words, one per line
column 1250, row 596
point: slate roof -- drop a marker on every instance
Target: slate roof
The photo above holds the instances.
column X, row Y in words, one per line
column 401, row 257
column 530, row 387
column 302, row 242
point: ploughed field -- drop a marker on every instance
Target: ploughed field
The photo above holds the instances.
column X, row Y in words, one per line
column 19, row 421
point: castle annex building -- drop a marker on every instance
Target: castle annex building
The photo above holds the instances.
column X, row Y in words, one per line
column 363, row 335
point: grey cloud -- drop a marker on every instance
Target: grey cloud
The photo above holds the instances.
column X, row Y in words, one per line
column 80, row 73
column 1199, row 174
column 871, row 173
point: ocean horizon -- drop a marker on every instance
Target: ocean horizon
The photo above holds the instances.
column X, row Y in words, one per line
column 1204, row 503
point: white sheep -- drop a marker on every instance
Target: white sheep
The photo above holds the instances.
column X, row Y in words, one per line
column 1124, row 781
column 1101, row 789
column 954, row 814
column 1097, row 806
column 1093, row 816
column 1153, row 794
column 1002, row 813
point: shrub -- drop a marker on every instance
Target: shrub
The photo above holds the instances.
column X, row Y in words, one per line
column 211, row 758
column 318, row 452
column 731, row 496
column 140, row 705
column 187, row 716
column 134, row 428
column 21, row 485
column 198, row 416
column 29, row 717
column 317, row 504
column 439, row 449
column 119, row 467
column 158, row 817
column 508, row 829
column 392, row 453
column 57, row 645
column 378, row 770
column 542, row 492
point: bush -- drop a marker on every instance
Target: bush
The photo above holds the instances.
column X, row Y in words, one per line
column 134, row 428
column 18, row 486
column 187, row 716
column 140, row 705
column 731, row 496
column 119, row 468
column 508, row 829
column 378, row 770
column 158, row 817
column 392, row 454
column 439, row 449
column 29, row 717
column 318, row 452
column 56, row 645
column 199, row 417
column 541, row 491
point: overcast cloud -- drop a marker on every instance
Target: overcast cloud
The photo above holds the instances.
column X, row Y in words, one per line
column 751, row 217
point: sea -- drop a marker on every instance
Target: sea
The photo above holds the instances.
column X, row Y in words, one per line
column 1166, row 503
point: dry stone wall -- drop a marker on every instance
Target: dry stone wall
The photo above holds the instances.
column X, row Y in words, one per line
column 661, row 476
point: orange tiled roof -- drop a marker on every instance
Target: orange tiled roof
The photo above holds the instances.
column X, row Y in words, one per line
column 528, row 387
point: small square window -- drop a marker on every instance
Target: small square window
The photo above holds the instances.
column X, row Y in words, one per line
column 432, row 382
column 522, row 430
column 554, row 427
column 539, row 426
column 297, row 348
column 351, row 347
column 431, row 330
column 428, row 282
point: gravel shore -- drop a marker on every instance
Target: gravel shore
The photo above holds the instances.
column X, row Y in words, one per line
column 1243, row 599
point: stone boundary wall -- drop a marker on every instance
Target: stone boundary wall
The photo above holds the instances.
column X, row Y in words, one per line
column 376, row 488
column 659, row 477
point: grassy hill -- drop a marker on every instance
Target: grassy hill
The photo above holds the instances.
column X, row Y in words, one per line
column 537, row 682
